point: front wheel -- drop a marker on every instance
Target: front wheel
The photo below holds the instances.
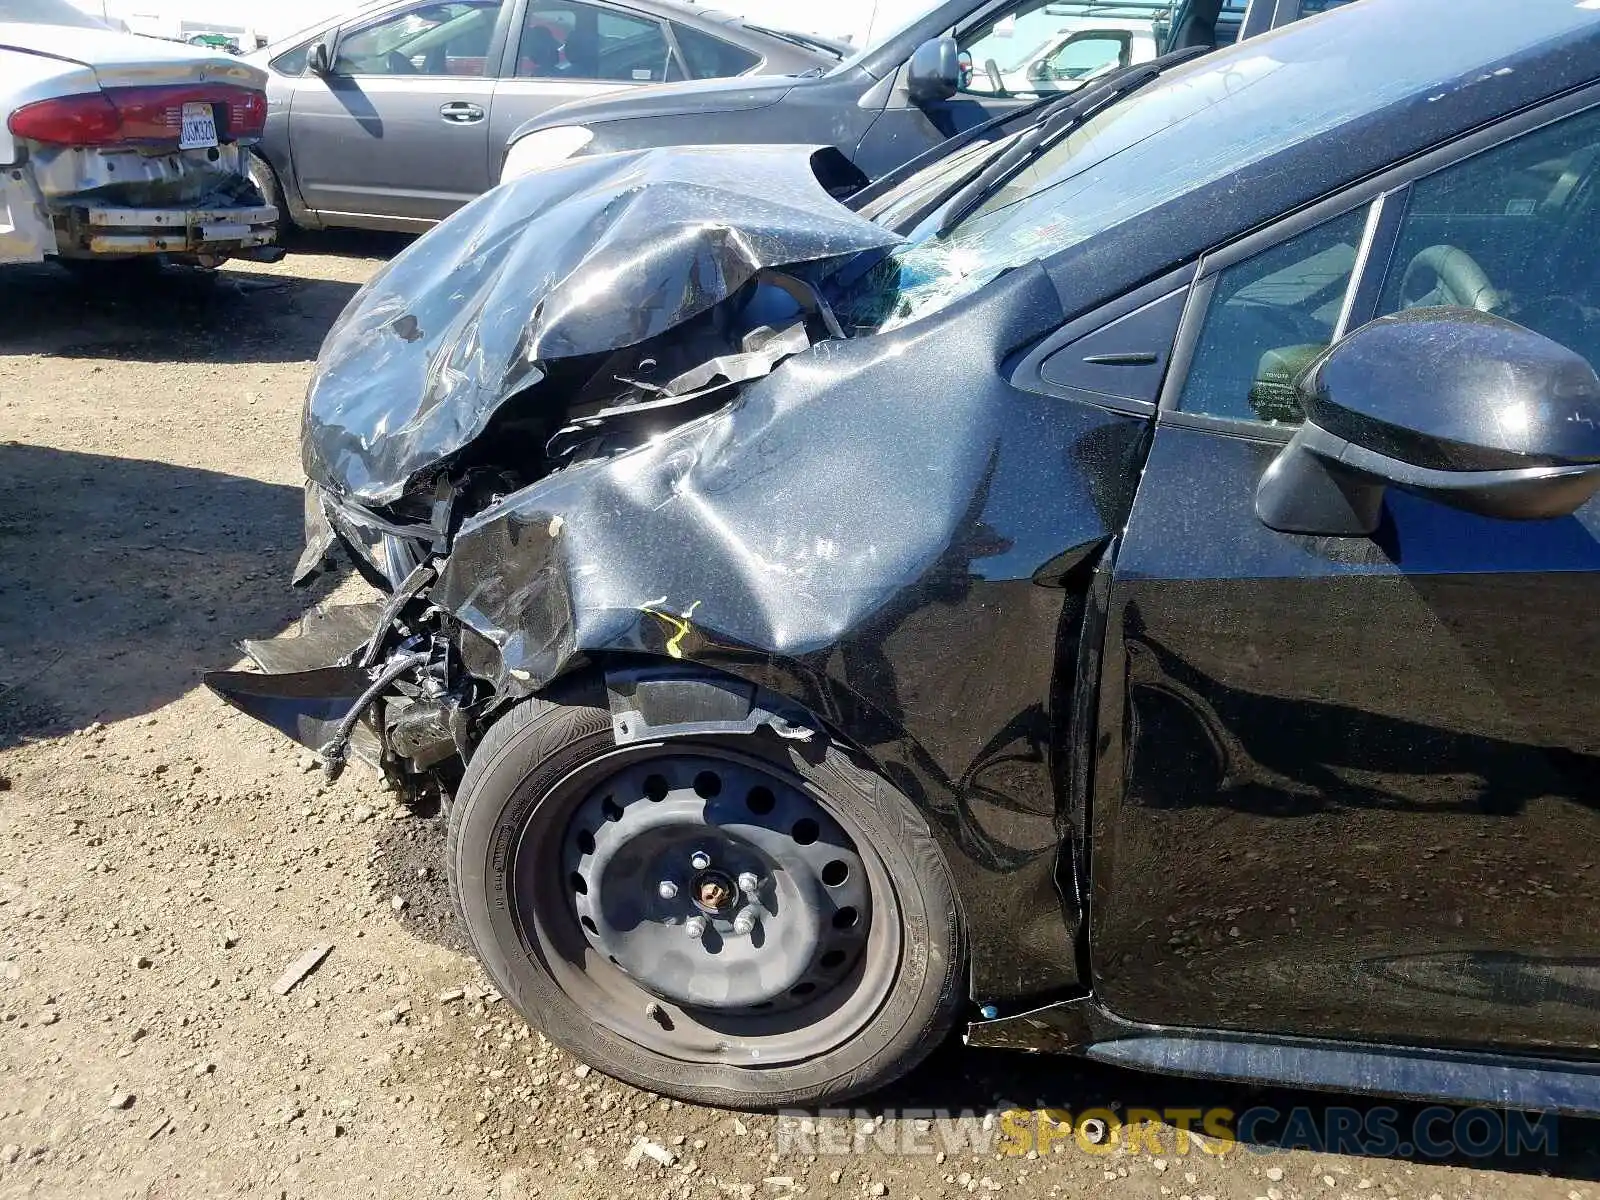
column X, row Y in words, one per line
column 744, row 921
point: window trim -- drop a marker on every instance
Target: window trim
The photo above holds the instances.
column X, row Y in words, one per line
column 1029, row 375
column 1392, row 187
column 495, row 52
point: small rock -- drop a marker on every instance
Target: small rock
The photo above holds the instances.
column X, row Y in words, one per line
column 779, row 1182
column 582, row 1070
column 141, row 962
column 398, row 903
column 301, row 967
column 393, row 1016
column 120, row 1100
column 645, row 1148
column 10, row 1152
column 1274, row 1173
column 360, row 813
column 449, row 994
column 307, row 763
column 878, row 1189
column 740, row 1127
column 204, row 1068
column 230, row 939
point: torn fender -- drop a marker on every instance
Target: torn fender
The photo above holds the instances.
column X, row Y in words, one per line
column 597, row 254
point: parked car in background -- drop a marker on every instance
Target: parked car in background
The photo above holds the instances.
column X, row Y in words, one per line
column 1132, row 607
column 961, row 63
column 1072, row 55
column 116, row 148
column 396, row 116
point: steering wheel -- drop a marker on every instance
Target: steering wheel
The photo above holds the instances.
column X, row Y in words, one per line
column 1457, row 280
column 399, row 64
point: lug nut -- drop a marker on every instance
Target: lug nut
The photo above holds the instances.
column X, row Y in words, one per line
column 695, row 926
column 745, row 921
column 666, row 889
column 748, row 883
column 700, row 860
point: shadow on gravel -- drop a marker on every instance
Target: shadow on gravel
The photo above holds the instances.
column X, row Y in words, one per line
column 956, row 1078
column 174, row 314
column 125, row 579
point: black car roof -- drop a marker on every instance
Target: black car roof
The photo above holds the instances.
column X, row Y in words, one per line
column 1258, row 130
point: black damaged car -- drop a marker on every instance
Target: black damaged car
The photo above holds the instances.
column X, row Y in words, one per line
column 1128, row 589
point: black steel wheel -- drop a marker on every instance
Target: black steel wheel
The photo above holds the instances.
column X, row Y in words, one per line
column 740, row 921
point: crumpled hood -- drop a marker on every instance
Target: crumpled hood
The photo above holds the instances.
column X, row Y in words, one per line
column 597, row 254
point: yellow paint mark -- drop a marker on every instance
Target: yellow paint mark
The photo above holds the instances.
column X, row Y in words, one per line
column 681, row 626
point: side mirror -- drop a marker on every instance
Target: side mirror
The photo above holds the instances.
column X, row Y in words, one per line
column 935, row 71
column 1466, row 408
column 319, row 60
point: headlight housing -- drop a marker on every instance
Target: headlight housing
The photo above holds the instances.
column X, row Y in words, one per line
column 543, row 148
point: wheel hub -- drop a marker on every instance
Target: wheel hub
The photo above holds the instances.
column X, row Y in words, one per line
column 712, row 884
column 713, row 891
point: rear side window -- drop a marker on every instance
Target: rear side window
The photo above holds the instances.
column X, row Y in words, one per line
column 572, row 40
column 711, row 58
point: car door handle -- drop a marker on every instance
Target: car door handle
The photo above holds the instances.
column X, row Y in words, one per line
column 460, row 112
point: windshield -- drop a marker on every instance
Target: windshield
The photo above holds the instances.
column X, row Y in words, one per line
column 1193, row 127
column 47, row 12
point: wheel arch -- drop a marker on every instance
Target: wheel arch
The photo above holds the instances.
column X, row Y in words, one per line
column 656, row 698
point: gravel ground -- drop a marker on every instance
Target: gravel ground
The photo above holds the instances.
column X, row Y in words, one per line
column 163, row 859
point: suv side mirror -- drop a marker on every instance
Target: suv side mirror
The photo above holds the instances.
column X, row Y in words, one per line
column 319, row 60
column 1469, row 409
column 935, row 71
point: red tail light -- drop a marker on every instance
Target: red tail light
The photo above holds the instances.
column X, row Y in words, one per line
column 88, row 120
column 143, row 115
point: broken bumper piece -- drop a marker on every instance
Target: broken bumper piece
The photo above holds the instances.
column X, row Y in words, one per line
column 111, row 229
column 307, row 686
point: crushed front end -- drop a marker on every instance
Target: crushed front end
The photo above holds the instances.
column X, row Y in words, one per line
column 559, row 330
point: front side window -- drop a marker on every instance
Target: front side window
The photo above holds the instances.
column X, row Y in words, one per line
column 436, row 39
column 1513, row 231
column 583, row 41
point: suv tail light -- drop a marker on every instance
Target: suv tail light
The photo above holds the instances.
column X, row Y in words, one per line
column 141, row 115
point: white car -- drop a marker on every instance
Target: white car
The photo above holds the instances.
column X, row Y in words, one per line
column 1075, row 53
column 119, row 148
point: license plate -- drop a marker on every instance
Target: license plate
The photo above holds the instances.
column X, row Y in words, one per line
column 199, row 126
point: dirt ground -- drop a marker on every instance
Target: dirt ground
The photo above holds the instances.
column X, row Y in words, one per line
column 163, row 859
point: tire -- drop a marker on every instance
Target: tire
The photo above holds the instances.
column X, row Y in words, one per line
column 518, row 804
column 266, row 181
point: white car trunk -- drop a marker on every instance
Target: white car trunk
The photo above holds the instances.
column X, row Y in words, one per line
column 116, row 197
